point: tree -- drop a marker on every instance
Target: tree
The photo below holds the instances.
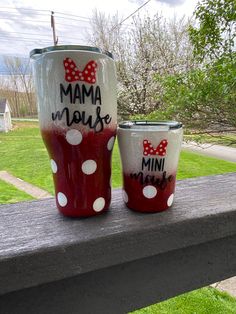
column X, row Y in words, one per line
column 18, row 87
column 105, row 31
column 205, row 97
column 215, row 34
column 202, row 98
column 148, row 46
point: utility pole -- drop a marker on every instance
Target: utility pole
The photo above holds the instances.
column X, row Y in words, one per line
column 55, row 38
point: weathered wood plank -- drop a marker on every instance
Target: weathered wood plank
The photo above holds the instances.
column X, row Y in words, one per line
column 129, row 286
column 38, row 245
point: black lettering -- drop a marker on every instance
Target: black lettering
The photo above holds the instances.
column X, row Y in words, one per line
column 99, row 125
column 87, row 93
column 66, row 92
column 89, row 121
column 77, row 94
column 163, row 164
column 158, row 164
column 76, row 117
column 152, row 163
column 145, row 163
column 163, row 182
column 98, row 96
column 107, row 119
column 138, row 176
column 58, row 115
column 148, row 179
column 80, row 117
column 170, row 178
column 153, row 180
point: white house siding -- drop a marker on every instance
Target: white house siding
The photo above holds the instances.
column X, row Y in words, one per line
column 5, row 122
column 2, row 123
column 8, row 120
column 5, row 116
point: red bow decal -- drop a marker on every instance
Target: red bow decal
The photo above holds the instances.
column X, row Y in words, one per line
column 149, row 150
column 72, row 73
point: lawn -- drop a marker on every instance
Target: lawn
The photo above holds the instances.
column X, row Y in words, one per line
column 24, row 155
column 203, row 301
column 13, row 195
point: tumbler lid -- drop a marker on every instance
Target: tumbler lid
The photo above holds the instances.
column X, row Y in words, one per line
column 39, row 51
column 169, row 125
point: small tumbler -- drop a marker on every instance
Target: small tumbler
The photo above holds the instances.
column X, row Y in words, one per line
column 149, row 154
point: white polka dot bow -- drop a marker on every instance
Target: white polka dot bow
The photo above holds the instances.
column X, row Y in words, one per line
column 72, row 73
column 148, row 149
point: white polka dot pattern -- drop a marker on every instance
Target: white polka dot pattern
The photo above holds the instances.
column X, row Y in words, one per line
column 149, row 191
column 99, row 204
column 170, row 200
column 74, row 137
column 89, row 166
column 110, row 143
column 53, row 166
column 62, row 199
column 125, row 196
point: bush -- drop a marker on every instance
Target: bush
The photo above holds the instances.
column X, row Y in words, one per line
column 201, row 98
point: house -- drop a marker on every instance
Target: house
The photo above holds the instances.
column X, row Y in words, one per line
column 5, row 116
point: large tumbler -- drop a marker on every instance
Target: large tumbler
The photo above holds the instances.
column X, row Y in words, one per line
column 76, row 93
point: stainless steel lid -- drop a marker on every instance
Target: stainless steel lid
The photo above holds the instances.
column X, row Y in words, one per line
column 143, row 125
column 38, row 51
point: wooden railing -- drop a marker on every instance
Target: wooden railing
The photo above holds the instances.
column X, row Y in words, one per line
column 119, row 261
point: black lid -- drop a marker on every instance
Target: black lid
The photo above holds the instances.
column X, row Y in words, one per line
column 133, row 124
column 39, row 51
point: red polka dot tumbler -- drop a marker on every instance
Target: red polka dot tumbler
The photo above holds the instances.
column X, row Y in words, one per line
column 76, row 93
column 149, row 154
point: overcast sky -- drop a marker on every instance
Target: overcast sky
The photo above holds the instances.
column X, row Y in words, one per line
column 25, row 25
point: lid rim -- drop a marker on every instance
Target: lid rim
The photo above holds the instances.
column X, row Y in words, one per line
column 38, row 51
column 133, row 123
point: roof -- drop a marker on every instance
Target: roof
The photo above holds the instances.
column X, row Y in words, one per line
column 3, row 104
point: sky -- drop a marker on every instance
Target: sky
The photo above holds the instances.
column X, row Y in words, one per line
column 25, row 25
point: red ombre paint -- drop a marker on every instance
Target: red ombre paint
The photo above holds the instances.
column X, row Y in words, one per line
column 80, row 189
column 136, row 199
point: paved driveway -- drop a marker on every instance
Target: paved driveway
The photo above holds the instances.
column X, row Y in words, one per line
column 218, row 151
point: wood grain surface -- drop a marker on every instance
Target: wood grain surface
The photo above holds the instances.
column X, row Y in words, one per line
column 38, row 245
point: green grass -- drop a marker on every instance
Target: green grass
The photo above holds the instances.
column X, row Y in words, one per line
column 23, row 154
column 193, row 165
column 9, row 194
column 202, row 301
